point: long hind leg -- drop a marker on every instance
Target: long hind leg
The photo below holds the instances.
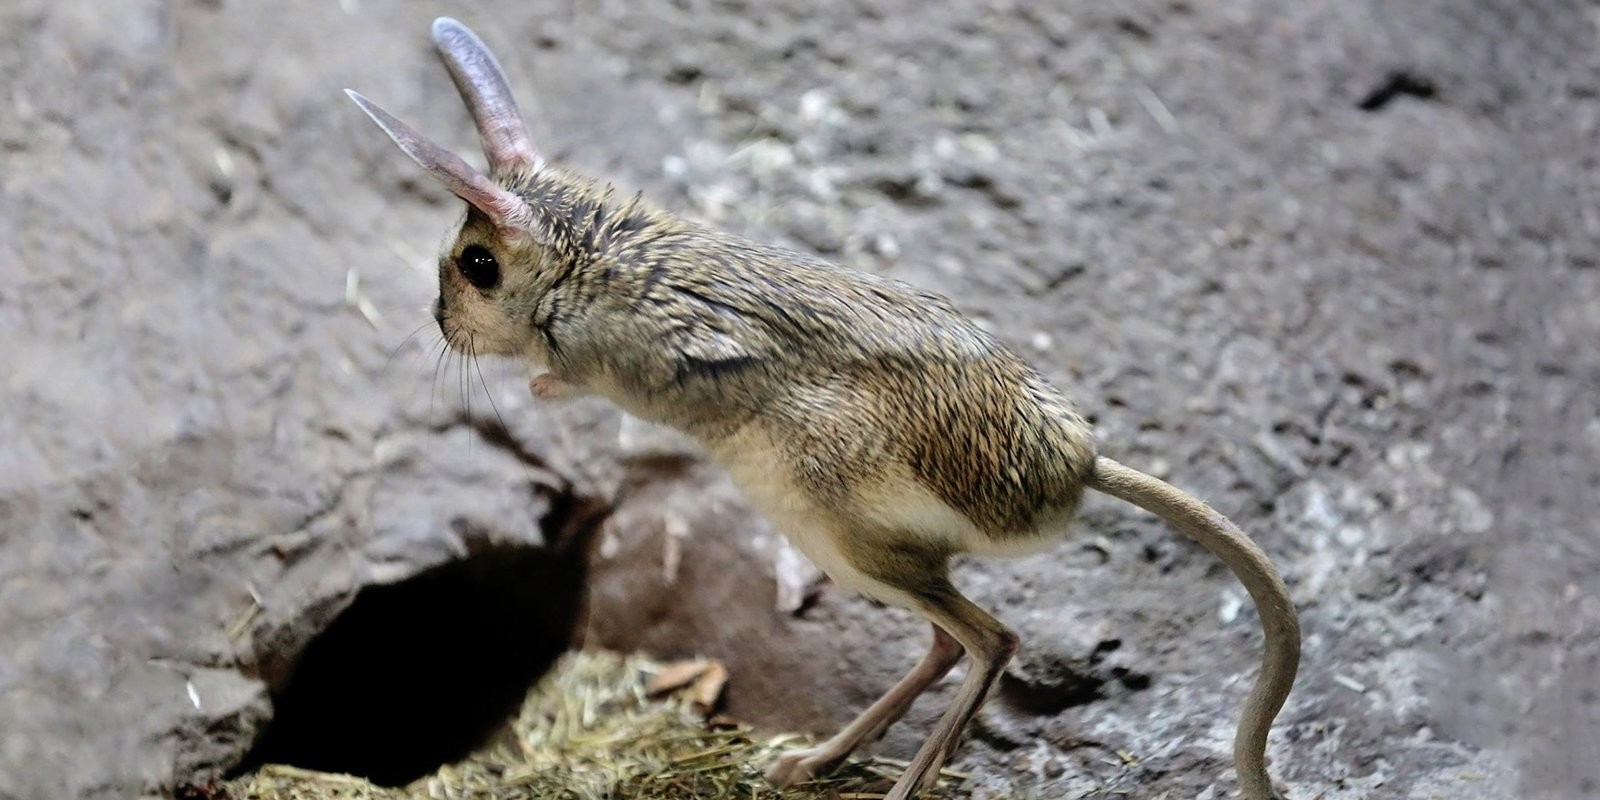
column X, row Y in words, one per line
column 909, row 571
column 801, row 765
column 992, row 645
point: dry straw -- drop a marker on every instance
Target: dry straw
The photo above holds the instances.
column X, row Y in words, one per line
column 592, row 730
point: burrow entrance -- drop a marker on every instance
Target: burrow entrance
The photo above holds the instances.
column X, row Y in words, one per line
column 417, row 674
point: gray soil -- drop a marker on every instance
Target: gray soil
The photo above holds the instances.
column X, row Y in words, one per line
column 1333, row 266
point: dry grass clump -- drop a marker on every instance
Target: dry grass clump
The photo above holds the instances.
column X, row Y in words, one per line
column 601, row 726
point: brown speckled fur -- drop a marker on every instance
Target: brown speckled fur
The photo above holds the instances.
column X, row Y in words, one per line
column 724, row 332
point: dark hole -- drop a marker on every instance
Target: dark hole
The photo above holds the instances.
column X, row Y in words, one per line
column 1394, row 86
column 1134, row 681
column 1047, row 699
column 684, row 73
column 1046, row 687
column 417, row 674
column 1132, row 26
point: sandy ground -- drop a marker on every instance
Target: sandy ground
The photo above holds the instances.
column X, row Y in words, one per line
column 1333, row 266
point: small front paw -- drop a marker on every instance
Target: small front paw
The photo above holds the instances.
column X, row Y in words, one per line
column 548, row 387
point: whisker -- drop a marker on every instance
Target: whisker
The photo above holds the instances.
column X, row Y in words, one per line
column 433, row 388
column 437, row 352
column 396, row 351
column 403, row 308
column 463, row 405
column 505, row 429
column 485, row 384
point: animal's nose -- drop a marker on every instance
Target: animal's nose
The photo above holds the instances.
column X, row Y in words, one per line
column 438, row 309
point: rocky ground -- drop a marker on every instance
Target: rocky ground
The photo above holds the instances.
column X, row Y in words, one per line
column 1333, row 266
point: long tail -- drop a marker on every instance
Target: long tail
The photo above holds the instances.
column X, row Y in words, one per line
column 1278, row 619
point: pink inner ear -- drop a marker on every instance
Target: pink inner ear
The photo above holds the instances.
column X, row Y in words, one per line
column 505, row 208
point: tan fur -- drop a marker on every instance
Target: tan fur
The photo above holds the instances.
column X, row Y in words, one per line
column 878, row 428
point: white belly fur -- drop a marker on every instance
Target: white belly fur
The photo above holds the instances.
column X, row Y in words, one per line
column 758, row 468
column 898, row 501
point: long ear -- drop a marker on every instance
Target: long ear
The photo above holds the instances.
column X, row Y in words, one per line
column 505, row 208
column 484, row 88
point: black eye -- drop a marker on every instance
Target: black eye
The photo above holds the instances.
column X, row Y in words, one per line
column 478, row 266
